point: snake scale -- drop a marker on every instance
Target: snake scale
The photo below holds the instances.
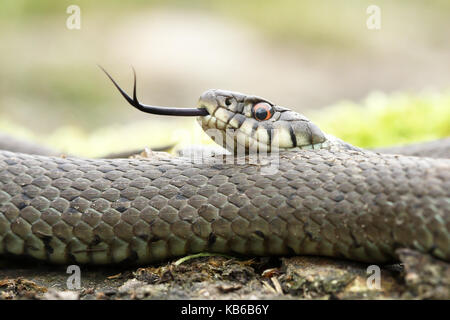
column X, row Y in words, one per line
column 325, row 197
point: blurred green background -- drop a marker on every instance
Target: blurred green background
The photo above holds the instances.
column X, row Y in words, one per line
column 369, row 87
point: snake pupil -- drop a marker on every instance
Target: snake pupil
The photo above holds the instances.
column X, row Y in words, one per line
column 262, row 111
column 261, row 114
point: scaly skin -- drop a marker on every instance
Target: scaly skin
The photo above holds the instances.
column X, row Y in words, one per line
column 325, row 197
column 338, row 202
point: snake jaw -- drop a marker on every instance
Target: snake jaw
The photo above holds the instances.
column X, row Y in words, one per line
column 230, row 122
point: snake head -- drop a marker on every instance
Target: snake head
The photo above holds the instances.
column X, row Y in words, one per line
column 236, row 119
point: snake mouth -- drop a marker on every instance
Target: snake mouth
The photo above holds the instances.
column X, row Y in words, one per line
column 164, row 111
column 231, row 122
column 230, row 134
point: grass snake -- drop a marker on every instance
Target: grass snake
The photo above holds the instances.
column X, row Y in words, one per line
column 325, row 196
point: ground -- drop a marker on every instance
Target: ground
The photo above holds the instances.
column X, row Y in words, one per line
column 418, row 276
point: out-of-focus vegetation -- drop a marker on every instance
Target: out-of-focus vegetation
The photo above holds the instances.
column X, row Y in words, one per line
column 379, row 120
column 326, row 22
column 302, row 54
column 382, row 120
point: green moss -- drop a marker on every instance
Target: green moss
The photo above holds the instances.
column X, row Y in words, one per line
column 382, row 120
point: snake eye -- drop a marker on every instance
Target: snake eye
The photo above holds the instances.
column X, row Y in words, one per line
column 262, row 111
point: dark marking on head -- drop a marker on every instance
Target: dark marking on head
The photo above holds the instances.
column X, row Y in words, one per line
column 269, row 134
column 240, row 107
column 228, row 101
column 240, row 120
column 229, row 119
column 254, row 128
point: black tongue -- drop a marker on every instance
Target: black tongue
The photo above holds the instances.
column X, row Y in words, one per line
column 155, row 109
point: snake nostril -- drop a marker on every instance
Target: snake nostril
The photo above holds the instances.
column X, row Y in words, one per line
column 228, row 101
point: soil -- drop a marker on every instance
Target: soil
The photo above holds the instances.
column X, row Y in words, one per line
column 418, row 276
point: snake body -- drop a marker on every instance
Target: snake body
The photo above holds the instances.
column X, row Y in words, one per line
column 325, row 197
